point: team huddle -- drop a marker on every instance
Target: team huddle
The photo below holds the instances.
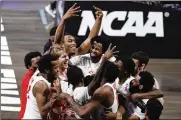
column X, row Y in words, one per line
column 87, row 82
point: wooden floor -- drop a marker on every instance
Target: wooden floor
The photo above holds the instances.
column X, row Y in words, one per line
column 25, row 32
column 168, row 74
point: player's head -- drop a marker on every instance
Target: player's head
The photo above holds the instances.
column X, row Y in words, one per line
column 59, row 51
column 48, row 65
column 142, row 83
column 98, row 46
column 111, row 72
column 126, row 67
column 69, row 43
column 154, row 109
column 31, row 59
column 75, row 76
column 141, row 60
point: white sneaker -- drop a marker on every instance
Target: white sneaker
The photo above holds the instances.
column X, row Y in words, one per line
column 49, row 11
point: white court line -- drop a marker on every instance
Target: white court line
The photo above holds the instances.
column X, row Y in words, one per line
column 8, row 73
column 8, row 80
column 4, row 47
column 2, row 27
column 6, row 60
column 5, row 53
column 8, row 86
column 8, row 77
column 9, row 92
column 1, row 18
column 4, row 40
column 9, row 108
column 9, row 100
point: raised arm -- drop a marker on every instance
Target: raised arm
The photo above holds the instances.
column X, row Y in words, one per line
column 97, row 79
column 59, row 35
column 41, row 93
column 85, row 46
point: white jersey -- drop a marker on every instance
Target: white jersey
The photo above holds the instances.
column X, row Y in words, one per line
column 66, row 88
column 114, row 106
column 124, row 88
column 137, row 110
column 85, row 63
column 81, row 95
column 32, row 111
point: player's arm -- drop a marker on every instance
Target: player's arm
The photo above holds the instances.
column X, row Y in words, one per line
column 85, row 110
column 59, row 35
column 41, row 93
column 115, row 116
column 155, row 93
column 85, row 46
column 95, row 83
column 97, row 79
column 156, row 85
column 121, row 109
column 134, row 117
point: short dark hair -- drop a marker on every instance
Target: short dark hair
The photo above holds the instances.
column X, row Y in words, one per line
column 141, row 56
column 77, row 40
column 45, row 63
column 154, row 109
column 111, row 72
column 88, row 79
column 129, row 65
column 147, row 80
column 74, row 75
column 103, row 40
column 53, row 31
column 29, row 56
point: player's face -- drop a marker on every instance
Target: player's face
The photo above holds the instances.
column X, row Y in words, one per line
column 96, row 49
column 63, row 60
column 119, row 64
column 70, row 44
column 134, row 85
column 55, row 65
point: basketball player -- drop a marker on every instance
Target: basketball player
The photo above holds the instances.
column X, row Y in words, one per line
column 105, row 96
column 38, row 92
column 69, row 41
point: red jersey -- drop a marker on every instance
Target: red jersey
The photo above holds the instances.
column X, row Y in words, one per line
column 24, row 87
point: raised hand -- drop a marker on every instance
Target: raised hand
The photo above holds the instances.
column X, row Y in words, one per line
column 110, row 52
column 72, row 12
column 98, row 13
